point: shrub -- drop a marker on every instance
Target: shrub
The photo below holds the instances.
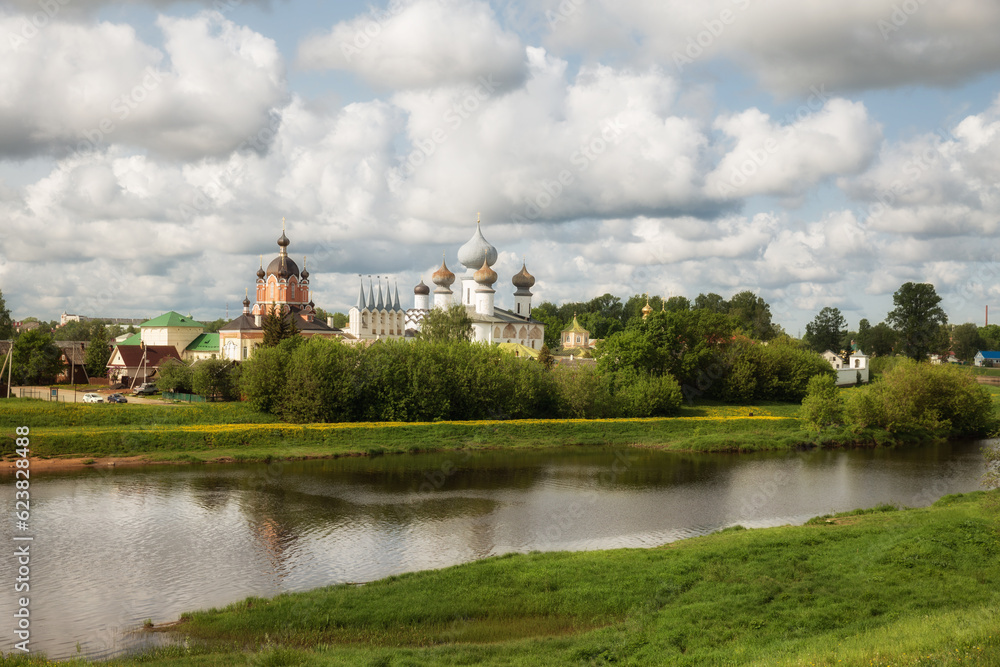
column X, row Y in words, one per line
column 823, row 405
column 921, row 399
column 582, row 392
column 643, row 395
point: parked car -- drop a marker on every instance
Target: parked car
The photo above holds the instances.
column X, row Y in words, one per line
column 116, row 398
column 92, row 398
column 145, row 389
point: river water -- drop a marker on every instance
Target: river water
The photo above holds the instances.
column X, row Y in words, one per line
column 115, row 546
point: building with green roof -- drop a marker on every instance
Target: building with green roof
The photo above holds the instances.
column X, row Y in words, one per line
column 173, row 329
column 575, row 336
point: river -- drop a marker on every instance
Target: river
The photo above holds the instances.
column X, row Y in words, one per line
column 115, row 546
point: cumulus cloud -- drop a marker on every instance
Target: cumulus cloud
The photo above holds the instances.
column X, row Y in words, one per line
column 775, row 159
column 790, row 45
column 79, row 87
column 420, row 44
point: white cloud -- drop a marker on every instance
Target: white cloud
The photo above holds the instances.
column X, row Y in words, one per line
column 77, row 87
column 420, row 44
column 775, row 159
column 791, row 45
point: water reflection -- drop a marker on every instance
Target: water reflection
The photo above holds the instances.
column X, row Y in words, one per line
column 115, row 547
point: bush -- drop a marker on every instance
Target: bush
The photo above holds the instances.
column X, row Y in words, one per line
column 582, row 392
column 823, row 405
column 921, row 399
column 776, row 372
column 642, row 395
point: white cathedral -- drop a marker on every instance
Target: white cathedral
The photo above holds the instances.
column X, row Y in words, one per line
column 376, row 316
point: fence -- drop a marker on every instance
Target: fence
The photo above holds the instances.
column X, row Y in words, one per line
column 190, row 398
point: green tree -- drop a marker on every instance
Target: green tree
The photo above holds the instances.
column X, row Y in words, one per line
column 6, row 324
column 826, row 330
column 215, row 325
column 277, row 326
column 966, row 341
column 881, row 340
column 447, row 325
column 752, row 314
column 712, row 302
column 917, row 318
column 823, row 405
column 678, row 303
column 545, row 358
column 174, row 376
column 214, row 378
column 35, row 358
column 863, row 337
column 991, row 337
column 98, row 352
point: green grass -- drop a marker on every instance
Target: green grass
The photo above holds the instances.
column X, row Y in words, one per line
column 884, row 587
column 234, row 431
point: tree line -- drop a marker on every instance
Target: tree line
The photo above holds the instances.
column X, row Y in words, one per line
column 916, row 327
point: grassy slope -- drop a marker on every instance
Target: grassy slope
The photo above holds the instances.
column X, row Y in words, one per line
column 914, row 587
column 214, row 431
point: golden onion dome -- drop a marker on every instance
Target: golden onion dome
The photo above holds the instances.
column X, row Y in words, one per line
column 485, row 276
column 443, row 277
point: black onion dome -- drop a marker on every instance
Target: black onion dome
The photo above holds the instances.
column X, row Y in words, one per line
column 283, row 241
column 283, row 267
column 261, row 273
column 246, row 301
column 421, row 289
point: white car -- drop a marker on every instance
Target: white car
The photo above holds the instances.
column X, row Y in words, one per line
column 92, row 398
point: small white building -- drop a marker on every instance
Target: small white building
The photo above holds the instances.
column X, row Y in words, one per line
column 850, row 370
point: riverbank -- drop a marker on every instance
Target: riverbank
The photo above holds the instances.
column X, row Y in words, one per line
column 875, row 587
column 67, row 435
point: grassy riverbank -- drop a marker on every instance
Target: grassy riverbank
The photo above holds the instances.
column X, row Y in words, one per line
column 205, row 432
column 878, row 587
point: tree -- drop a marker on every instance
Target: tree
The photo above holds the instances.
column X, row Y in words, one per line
column 712, row 302
column 991, row 337
column 826, row 330
column 917, row 318
column 6, row 324
column 545, row 358
column 214, row 378
column 966, row 341
column 277, row 327
column 215, row 325
column 881, row 340
column 35, row 358
column 678, row 303
column 446, row 324
column 174, row 376
column 863, row 338
column 752, row 314
column 98, row 352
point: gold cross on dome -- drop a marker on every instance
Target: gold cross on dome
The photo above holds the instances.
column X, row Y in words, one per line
column 282, row 223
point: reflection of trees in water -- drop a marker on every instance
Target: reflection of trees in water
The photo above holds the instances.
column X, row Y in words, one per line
column 279, row 515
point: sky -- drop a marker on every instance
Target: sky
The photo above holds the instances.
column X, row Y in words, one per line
column 818, row 154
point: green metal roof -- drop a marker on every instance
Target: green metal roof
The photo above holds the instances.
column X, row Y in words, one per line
column 206, row 342
column 134, row 339
column 172, row 319
column 575, row 327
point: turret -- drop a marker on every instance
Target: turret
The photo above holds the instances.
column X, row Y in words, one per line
column 485, row 277
column 523, row 281
column 421, row 296
column 444, row 279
